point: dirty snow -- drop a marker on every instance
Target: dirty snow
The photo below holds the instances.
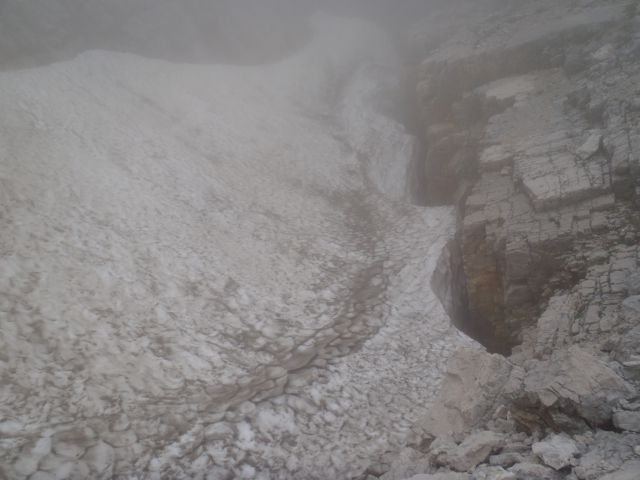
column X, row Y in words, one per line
column 209, row 271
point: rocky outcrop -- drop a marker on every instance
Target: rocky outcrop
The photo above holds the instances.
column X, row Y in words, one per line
column 569, row 391
column 542, row 168
column 531, row 124
column 510, row 429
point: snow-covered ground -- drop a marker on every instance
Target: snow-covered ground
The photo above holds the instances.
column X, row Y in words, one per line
column 213, row 271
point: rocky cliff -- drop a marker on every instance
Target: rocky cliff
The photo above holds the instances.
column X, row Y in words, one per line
column 531, row 119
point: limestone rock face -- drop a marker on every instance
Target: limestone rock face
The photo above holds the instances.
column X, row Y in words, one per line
column 554, row 171
column 531, row 120
column 570, row 382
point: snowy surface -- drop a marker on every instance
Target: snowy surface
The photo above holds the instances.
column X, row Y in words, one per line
column 207, row 271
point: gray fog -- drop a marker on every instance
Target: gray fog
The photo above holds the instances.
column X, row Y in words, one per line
column 320, row 240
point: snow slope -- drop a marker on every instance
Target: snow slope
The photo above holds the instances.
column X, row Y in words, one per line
column 211, row 271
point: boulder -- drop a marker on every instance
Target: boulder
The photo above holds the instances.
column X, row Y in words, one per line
column 626, row 420
column 475, row 449
column 440, row 450
column 506, row 459
column 557, row 451
column 485, row 472
column 469, row 392
column 590, row 147
column 534, row 471
column 571, row 383
column 100, row 458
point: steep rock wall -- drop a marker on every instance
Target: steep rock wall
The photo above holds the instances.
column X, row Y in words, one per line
column 520, row 137
column 548, row 242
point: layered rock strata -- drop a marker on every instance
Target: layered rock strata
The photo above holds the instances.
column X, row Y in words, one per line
column 532, row 127
column 541, row 154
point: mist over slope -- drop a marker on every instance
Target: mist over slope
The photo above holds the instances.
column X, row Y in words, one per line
column 211, row 270
column 36, row 32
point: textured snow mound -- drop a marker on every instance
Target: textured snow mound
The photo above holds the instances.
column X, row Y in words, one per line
column 205, row 270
